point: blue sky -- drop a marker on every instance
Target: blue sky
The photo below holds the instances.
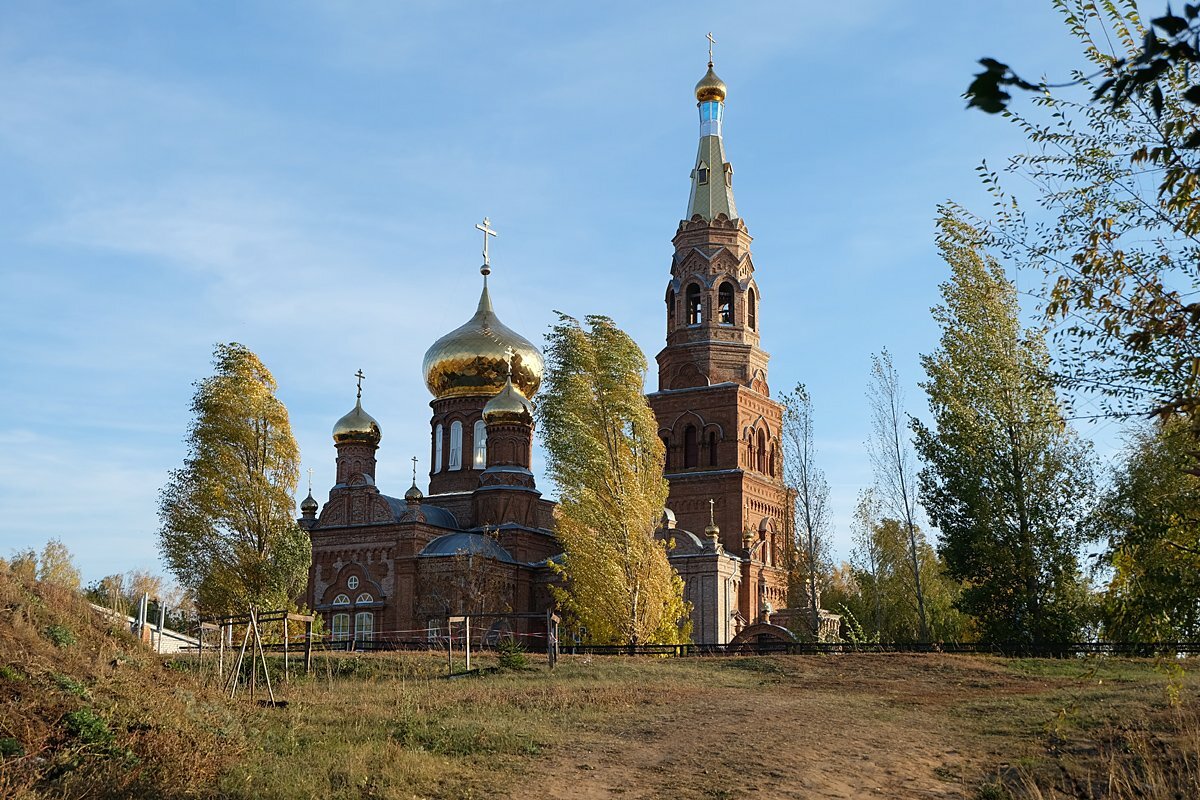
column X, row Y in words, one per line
column 304, row 178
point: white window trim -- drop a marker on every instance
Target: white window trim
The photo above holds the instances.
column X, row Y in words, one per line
column 480, row 441
column 437, row 448
column 455, row 461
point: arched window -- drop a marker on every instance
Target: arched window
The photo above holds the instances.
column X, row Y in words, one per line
column 695, row 311
column 670, row 308
column 455, row 446
column 666, row 454
column 725, row 304
column 762, row 451
column 479, row 435
column 365, row 597
column 691, row 447
column 751, row 311
column 364, row 626
column 771, row 463
column 342, row 600
column 437, row 447
column 712, row 449
column 341, row 627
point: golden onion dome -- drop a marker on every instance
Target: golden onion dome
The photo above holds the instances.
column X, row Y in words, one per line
column 413, row 495
column 309, row 504
column 357, row 426
column 710, row 87
column 473, row 359
column 508, row 406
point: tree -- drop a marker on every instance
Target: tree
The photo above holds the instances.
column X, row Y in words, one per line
column 607, row 461
column 1117, row 233
column 879, row 592
column 1151, row 518
column 227, row 528
column 810, row 505
column 57, row 566
column 891, row 457
column 1005, row 480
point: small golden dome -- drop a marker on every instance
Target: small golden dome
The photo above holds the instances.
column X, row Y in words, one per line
column 473, row 359
column 413, row 495
column 710, row 87
column 357, row 426
column 508, row 406
column 309, row 504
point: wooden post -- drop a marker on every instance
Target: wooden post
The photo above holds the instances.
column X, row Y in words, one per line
column 551, row 638
column 221, row 653
column 308, row 649
column 262, row 655
column 467, row 640
column 162, row 622
column 449, row 648
column 285, row 647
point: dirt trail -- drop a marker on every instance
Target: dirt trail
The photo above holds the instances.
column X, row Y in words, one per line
column 807, row 737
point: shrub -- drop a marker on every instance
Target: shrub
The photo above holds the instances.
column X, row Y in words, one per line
column 60, row 635
column 511, row 654
column 11, row 674
column 11, row 748
column 88, row 727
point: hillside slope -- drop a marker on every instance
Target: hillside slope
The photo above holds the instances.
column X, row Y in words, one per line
column 85, row 711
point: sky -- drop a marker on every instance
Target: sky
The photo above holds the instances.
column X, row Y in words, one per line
column 305, row 178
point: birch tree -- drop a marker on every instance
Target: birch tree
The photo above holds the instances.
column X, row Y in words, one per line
column 227, row 528
column 606, row 459
column 1005, row 479
column 892, row 459
column 809, row 492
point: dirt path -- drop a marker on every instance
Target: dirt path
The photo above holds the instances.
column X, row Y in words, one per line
column 805, row 737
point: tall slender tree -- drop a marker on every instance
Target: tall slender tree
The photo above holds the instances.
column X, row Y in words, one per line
column 895, row 473
column 228, row 531
column 809, row 491
column 607, row 461
column 1005, row 479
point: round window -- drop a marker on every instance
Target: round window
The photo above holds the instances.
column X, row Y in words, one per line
column 352, row 582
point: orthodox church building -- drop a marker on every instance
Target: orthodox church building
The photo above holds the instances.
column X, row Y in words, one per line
column 482, row 540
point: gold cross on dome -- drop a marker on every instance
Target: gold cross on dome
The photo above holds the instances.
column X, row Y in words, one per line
column 712, row 504
column 509, row 353
column 486, row 227
column 711, row 42
column 360, row 377
column 310, row 480
column 414, row 460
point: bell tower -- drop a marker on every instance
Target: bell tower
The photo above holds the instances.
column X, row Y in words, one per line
column 715, row 414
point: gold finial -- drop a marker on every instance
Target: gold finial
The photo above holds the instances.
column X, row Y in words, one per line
column 712, row 504
column 710, row 86
column 414, row 460
column 486, row 269
column 310, row 480
column 360, row 377
column 711, row 42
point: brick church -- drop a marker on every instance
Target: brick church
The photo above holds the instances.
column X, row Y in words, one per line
column 482, row 539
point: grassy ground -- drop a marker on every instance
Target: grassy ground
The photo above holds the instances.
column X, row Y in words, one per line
column 86, row 713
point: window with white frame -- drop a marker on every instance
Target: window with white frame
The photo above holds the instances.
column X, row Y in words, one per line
column 364, row 626
column 455, row 446
column 352, row 582
column 365, row 597
column 437, row 447
column 480, row 437
column 342, row 600
column 341, row 627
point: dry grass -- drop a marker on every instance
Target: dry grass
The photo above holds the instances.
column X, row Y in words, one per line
column 100, row 717
column 87, row 712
